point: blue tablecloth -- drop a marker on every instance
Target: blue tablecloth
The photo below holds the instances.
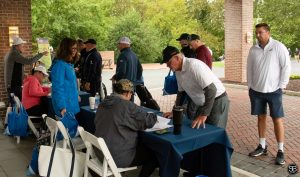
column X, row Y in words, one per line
column 84, row 101
column 207, row 151
column 86, row 119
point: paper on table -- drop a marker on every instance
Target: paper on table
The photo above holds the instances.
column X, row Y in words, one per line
column 162, row 123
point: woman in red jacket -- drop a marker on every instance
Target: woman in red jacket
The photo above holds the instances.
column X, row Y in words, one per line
column 33, row 92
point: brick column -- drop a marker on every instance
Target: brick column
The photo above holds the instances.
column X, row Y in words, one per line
column 13, row 13
column 238, row 38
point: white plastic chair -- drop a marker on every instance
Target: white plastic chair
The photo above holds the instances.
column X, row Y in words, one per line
column 105, row 168
column 77, row 141
column 33, row 126
column 52, row 126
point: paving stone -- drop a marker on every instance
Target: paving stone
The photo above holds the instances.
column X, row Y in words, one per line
column 267, row 170
column 242, row 164
column 252, row 168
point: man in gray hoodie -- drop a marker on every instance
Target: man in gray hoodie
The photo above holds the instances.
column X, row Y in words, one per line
column 14, row 66
column 118, row 121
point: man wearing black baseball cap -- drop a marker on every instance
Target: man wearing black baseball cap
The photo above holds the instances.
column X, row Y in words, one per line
column 202, row 52
column 91, row 69
column 208, row 101
column 185, row 48
column 202, row 86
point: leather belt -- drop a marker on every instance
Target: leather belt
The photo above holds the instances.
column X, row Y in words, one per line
column 220, row 96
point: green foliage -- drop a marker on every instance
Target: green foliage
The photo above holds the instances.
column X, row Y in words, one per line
column 294, row 77
column 218, row 64
column 145, row 38
column 283, row 17
column 150, row 24
column 210, row 16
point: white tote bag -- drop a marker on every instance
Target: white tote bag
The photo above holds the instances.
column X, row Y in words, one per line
column 60, row 162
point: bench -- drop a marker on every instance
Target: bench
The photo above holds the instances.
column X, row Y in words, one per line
column 107, row 59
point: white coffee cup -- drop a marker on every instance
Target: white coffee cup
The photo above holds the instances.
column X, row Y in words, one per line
column 92, row 102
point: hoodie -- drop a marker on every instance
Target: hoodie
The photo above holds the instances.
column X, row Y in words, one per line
column 32, row 92
column 118, row 121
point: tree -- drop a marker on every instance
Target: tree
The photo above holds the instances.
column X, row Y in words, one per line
column 144, row 37
column 283, row 18
column 56, row 19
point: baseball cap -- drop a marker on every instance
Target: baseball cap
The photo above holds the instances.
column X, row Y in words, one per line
column 41, row 69
column 124, row 85
column 124, row 40
column 193, row 37
column 18, row 41
column 168, row 53
column 91, row 41
column 183, row 36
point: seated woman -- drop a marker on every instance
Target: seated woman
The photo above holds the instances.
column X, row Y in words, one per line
column 33, row 92
column 118, row 121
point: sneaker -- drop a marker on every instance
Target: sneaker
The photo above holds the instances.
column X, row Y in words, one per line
column 259, row 151
column 280, row 158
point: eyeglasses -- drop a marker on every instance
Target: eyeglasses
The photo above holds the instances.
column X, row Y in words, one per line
column 74, row 48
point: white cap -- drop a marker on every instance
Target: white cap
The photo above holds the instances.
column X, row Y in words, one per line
column 41, row 69
column 18, row 41
column 124, row 40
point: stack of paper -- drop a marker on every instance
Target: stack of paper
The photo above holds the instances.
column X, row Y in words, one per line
column 162, row 123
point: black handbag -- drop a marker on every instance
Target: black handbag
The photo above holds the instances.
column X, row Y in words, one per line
column 146, row 97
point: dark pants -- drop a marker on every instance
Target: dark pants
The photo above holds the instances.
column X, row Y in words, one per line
column 17, row 91
column 40, row 109
column 94, row 87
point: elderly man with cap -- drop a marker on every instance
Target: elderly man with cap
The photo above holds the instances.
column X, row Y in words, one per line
column 209, row 102
column 128, row 64
column 91, row 68
column 208, row 99
column 14, row 66
column 202, row 52
column 33, row 92
column 185, row 48
column 125, row 119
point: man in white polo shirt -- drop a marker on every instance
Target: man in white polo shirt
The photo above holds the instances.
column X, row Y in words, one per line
column 207, row 93
column 268, row 71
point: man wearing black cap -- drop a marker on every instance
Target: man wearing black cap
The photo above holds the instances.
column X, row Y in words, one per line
column 202, row 52
column 91, row 69
column 208, row 99
column 207, row 93
column 186, row 50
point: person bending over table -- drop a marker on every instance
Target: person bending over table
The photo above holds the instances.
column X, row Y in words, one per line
column 118, row 121
column 33, row 93
column 209, row 102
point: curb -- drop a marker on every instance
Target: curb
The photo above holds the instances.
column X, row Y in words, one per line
column 242, row 173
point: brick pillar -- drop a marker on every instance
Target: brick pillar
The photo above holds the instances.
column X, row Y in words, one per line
column 238, row 38
column 13, row 13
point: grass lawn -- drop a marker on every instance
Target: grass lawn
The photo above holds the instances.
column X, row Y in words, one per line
column 218, row 64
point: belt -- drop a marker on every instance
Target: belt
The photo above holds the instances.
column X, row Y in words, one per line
column 222, row 95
